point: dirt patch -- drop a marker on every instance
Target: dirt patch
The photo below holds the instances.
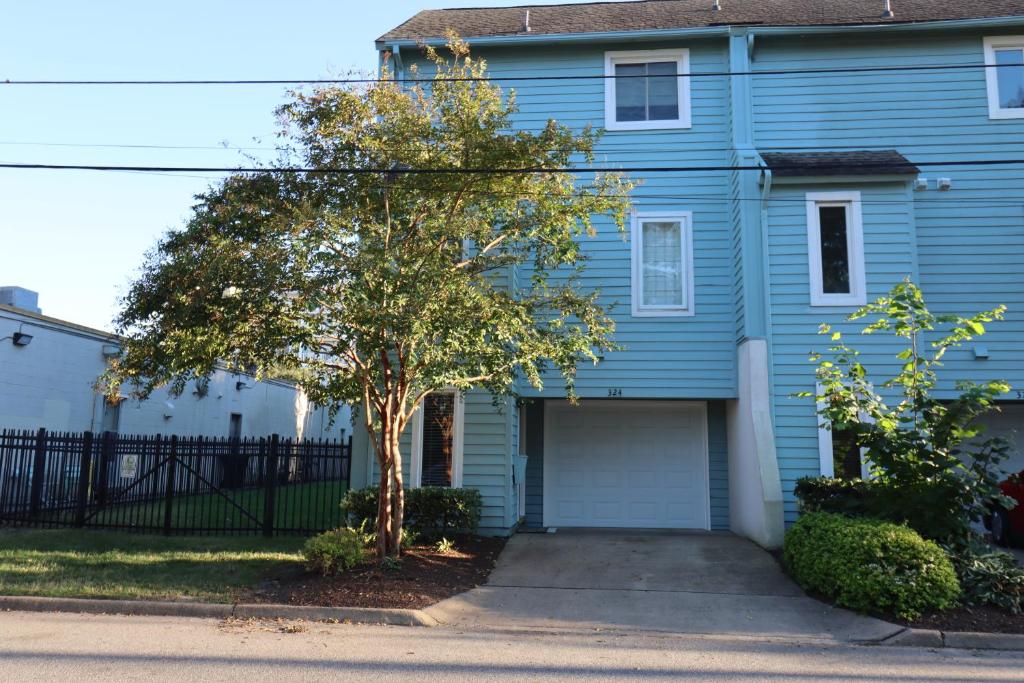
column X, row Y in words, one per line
column 425, row 577
column 986, row 619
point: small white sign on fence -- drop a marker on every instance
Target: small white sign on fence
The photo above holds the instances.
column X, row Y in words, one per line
column 129, row 466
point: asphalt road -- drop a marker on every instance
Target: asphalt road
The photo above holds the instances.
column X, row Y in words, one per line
column 65, row 647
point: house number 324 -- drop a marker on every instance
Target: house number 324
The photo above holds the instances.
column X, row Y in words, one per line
column 615, row 392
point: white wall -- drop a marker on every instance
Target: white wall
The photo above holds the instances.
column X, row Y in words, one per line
column 49, row 383
column 755, row 489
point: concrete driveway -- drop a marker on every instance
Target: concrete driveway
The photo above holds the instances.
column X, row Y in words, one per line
column 665, row 581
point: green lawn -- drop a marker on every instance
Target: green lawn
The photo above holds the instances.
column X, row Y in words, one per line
column 310, row 507
column 100, row 564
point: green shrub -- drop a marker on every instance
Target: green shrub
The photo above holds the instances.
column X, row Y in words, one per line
column 989, row 577
column 429, row 510
column 922, row 505
column 869, row 565
column 849, row 497
column 334, row 551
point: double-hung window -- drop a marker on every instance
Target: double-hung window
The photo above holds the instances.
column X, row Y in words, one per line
column 1004, row 75
column 437, row 441
column 647, row 90
column 662, row 264
column 835, row 239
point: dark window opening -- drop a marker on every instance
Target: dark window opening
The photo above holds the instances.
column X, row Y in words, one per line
column 438, row 440
column 235, row 426
column 846, row 459
column 111, row 416
column 835, row 251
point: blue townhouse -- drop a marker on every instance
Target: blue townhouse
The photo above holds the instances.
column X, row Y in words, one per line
column 834, row 135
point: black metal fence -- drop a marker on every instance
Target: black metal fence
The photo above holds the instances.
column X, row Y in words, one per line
column 171, row 484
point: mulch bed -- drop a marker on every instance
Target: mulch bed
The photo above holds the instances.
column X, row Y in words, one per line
column 986, row 619
column 425, row 577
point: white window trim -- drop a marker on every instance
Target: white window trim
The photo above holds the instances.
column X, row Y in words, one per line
column 854, row 246
column 416, row 457
column 680, row 57
column 992, row 76
column 685, row 220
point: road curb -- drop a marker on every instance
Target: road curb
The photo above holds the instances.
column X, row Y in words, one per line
column 922, row 637
column 358, row 615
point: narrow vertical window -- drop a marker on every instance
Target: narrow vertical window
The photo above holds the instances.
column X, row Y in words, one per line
column 437, row 441
column 835, row 238
column 846, row 457
column 647, row 90
column 835, row 250
column 662, row 264
column 1004, row 75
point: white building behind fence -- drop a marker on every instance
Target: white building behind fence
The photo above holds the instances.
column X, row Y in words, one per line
column 49, row 367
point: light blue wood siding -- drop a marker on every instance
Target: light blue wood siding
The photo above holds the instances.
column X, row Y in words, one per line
column 672, row 357
column 718, row 466
column 964, row 246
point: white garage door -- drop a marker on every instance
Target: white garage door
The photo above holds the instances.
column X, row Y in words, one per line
column 626, row 464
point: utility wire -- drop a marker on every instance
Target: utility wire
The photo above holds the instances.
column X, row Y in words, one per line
column 478, row 79
column 503, row 171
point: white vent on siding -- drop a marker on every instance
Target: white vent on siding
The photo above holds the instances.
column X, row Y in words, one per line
column 716, row 5
column 526, row 21
column 888, row 13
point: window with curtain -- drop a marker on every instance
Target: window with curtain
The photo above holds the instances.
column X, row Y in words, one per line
column 438, row 439
column 661, row 265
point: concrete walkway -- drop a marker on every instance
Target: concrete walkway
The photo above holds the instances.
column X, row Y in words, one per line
column 665, row 581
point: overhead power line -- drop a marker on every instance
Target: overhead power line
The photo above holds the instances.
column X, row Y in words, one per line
column 474, row 79
column 504, row 171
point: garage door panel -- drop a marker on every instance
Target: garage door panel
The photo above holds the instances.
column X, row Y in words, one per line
column 648, row 470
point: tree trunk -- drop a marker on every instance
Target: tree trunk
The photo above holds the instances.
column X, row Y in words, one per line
column 398, row 498
column 384, row 511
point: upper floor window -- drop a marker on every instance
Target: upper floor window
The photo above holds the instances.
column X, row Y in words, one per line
column 1006, row 80
column 646, row 90
column 835, row 239
column 662, row 264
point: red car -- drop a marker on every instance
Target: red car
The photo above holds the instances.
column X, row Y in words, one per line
column 1007, row 526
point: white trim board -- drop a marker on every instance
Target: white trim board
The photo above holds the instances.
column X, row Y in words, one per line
column 682, row 59
column 857, row 296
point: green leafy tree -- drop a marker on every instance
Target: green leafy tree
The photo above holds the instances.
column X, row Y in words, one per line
column 930, row 469
column 377, row 288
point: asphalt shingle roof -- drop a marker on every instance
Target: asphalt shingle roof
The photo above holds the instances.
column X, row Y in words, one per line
column 856, row 162
column 650, row 15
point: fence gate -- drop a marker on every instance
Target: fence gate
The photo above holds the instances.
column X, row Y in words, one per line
column 170, row 484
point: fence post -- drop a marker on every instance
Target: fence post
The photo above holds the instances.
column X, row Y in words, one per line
column 169, row 492
column 38, row 472
column 103, row 468
column 84, row 465
column 270, row 486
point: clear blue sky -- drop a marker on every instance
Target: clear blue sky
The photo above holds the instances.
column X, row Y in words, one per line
column 78, row 237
